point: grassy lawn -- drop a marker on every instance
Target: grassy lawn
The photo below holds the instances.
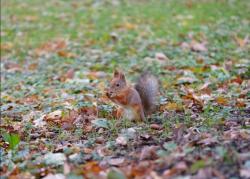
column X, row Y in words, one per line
column 57, row 58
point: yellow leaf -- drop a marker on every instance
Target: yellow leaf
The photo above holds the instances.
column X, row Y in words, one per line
column 173, row 107
column 66, row 54
column 6, row 46
column 222, row 101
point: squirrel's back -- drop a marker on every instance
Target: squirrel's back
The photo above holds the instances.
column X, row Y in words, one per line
column 148, row 89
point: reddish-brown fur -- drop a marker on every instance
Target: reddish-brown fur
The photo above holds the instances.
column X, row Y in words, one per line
column 129, row 98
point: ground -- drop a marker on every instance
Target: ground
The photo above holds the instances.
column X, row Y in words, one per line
column 58, row 56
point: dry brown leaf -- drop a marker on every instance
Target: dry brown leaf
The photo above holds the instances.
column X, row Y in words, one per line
column 104, row 151
column 12, row 66
column 96, row 74
column 129, row 26
column 66, row 54
column 30, row 99
column 6, row 46
column 140, row 169
column 208, row 141
column 155, row 126
column 149, row 152
column 170, row 172
column 31, row 18
column 178, row 133
column 240, row 103
column 54, row 115
column 33, row 66
column 173, row 107
column 161, row 56
column 199, row 47
column 92, row 167
column 238, row 80
column 236, row 134
column 242, row 42
column 52, row 46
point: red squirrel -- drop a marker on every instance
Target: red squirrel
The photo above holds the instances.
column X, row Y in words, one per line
column 136, row 101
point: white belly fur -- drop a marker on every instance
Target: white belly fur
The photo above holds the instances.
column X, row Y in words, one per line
column 128, row 114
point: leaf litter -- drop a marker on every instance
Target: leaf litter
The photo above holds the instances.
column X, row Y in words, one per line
column 57, row 123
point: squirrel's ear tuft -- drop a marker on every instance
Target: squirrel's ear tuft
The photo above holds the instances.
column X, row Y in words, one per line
column 116, row 73
column 122, row 76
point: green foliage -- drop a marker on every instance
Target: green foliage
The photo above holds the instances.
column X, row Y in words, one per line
column 101, row 123
column 197, row 165
column 12, row 139
column 115, row 174
column 170, row 146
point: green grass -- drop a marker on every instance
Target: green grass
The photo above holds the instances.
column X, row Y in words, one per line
column 28, row 24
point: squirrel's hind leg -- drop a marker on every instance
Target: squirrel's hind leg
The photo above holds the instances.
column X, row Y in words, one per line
column 139, row 113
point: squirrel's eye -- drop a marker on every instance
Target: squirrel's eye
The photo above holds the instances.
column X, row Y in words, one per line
column 117, row 84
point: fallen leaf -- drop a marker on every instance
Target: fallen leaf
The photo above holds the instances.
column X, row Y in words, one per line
column 54, row 115
column 54, row 159
column 173, row 107
column 240, row 103
column 66, row 54
column 127, row 25
column 199, row 47
column 161, row 56
column 238, row 80
column 222, row 100
column 116, row 161
column 6, row 46
column 51, row 46
column 149, row 153
column 104, row 151
column 96, row 74
column 31, row 18
column 40, row 122
column 208, row 141
column 170, row 172
column 154, row 175
column 93, row 167
column 140, row 169
column 155, row 126
column 242, row 42
column 181, row 166
column 33, row 66
column 188, row 77
column 55, row 176
column 121, row 140
column 87, row 150
column 12, row 67
column 245, row 173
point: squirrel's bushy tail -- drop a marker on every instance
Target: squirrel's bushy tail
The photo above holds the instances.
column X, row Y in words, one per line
column 148, row 88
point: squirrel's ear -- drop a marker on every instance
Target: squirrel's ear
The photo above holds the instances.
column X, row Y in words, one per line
column 116, row 73
column 122, row 76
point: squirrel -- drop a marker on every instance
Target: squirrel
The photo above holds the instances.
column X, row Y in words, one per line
column 136, row 101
